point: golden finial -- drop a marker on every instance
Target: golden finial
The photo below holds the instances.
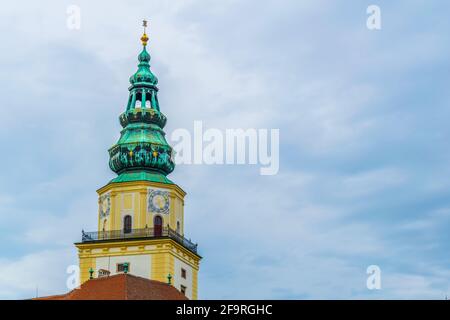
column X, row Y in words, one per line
column 144, row 37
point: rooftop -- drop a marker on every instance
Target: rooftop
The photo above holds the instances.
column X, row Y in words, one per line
column 121, row 287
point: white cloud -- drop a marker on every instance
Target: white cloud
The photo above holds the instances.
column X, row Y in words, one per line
column 44, row 271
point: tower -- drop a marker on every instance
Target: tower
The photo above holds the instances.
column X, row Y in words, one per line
column 141, row 212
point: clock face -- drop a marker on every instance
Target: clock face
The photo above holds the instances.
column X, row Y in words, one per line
column 105, row 203
column 158, row 201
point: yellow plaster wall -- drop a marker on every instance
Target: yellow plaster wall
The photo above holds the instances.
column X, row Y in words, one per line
column 112, row 215
column 163, row 252
column 86, row 262
column 162, row 264
column 132, row 197
column 142, row 209
column 127, row 201
column 194, row 284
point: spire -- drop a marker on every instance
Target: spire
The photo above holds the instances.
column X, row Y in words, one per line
column 142, row 152
column 144, row 74
column 144, row 37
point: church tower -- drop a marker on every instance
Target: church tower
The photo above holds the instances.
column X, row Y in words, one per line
column 141, row 212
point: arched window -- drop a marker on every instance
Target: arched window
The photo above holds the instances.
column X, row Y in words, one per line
column 157, row 224
column 127, row 224
column 138, row 103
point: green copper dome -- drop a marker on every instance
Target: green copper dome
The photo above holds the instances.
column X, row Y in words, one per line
column 144, row 75
column 142, row 151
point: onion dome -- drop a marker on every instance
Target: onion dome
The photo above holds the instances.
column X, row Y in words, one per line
column 143, row 74
column 142, row 152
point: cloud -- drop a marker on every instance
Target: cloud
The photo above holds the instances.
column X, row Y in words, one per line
column 42, row 272
column 364, row 140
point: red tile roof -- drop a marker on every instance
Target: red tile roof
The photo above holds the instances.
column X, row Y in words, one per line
column 121, row 287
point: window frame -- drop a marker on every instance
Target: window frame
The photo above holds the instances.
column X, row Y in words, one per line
column 122, row 264
column 183, row 289
column 127, row 224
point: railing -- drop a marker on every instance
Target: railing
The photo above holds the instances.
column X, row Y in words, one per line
column 165, row 232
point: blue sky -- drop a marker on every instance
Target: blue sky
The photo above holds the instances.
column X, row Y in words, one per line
column 364, row 159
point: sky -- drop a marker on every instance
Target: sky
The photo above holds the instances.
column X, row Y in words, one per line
column 364, row 175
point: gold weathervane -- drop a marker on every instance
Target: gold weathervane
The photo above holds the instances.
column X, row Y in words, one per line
column 144, row 37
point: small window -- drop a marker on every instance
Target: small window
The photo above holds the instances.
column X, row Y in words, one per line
column 183, row 273
column 183, row 290
column 121, row 267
